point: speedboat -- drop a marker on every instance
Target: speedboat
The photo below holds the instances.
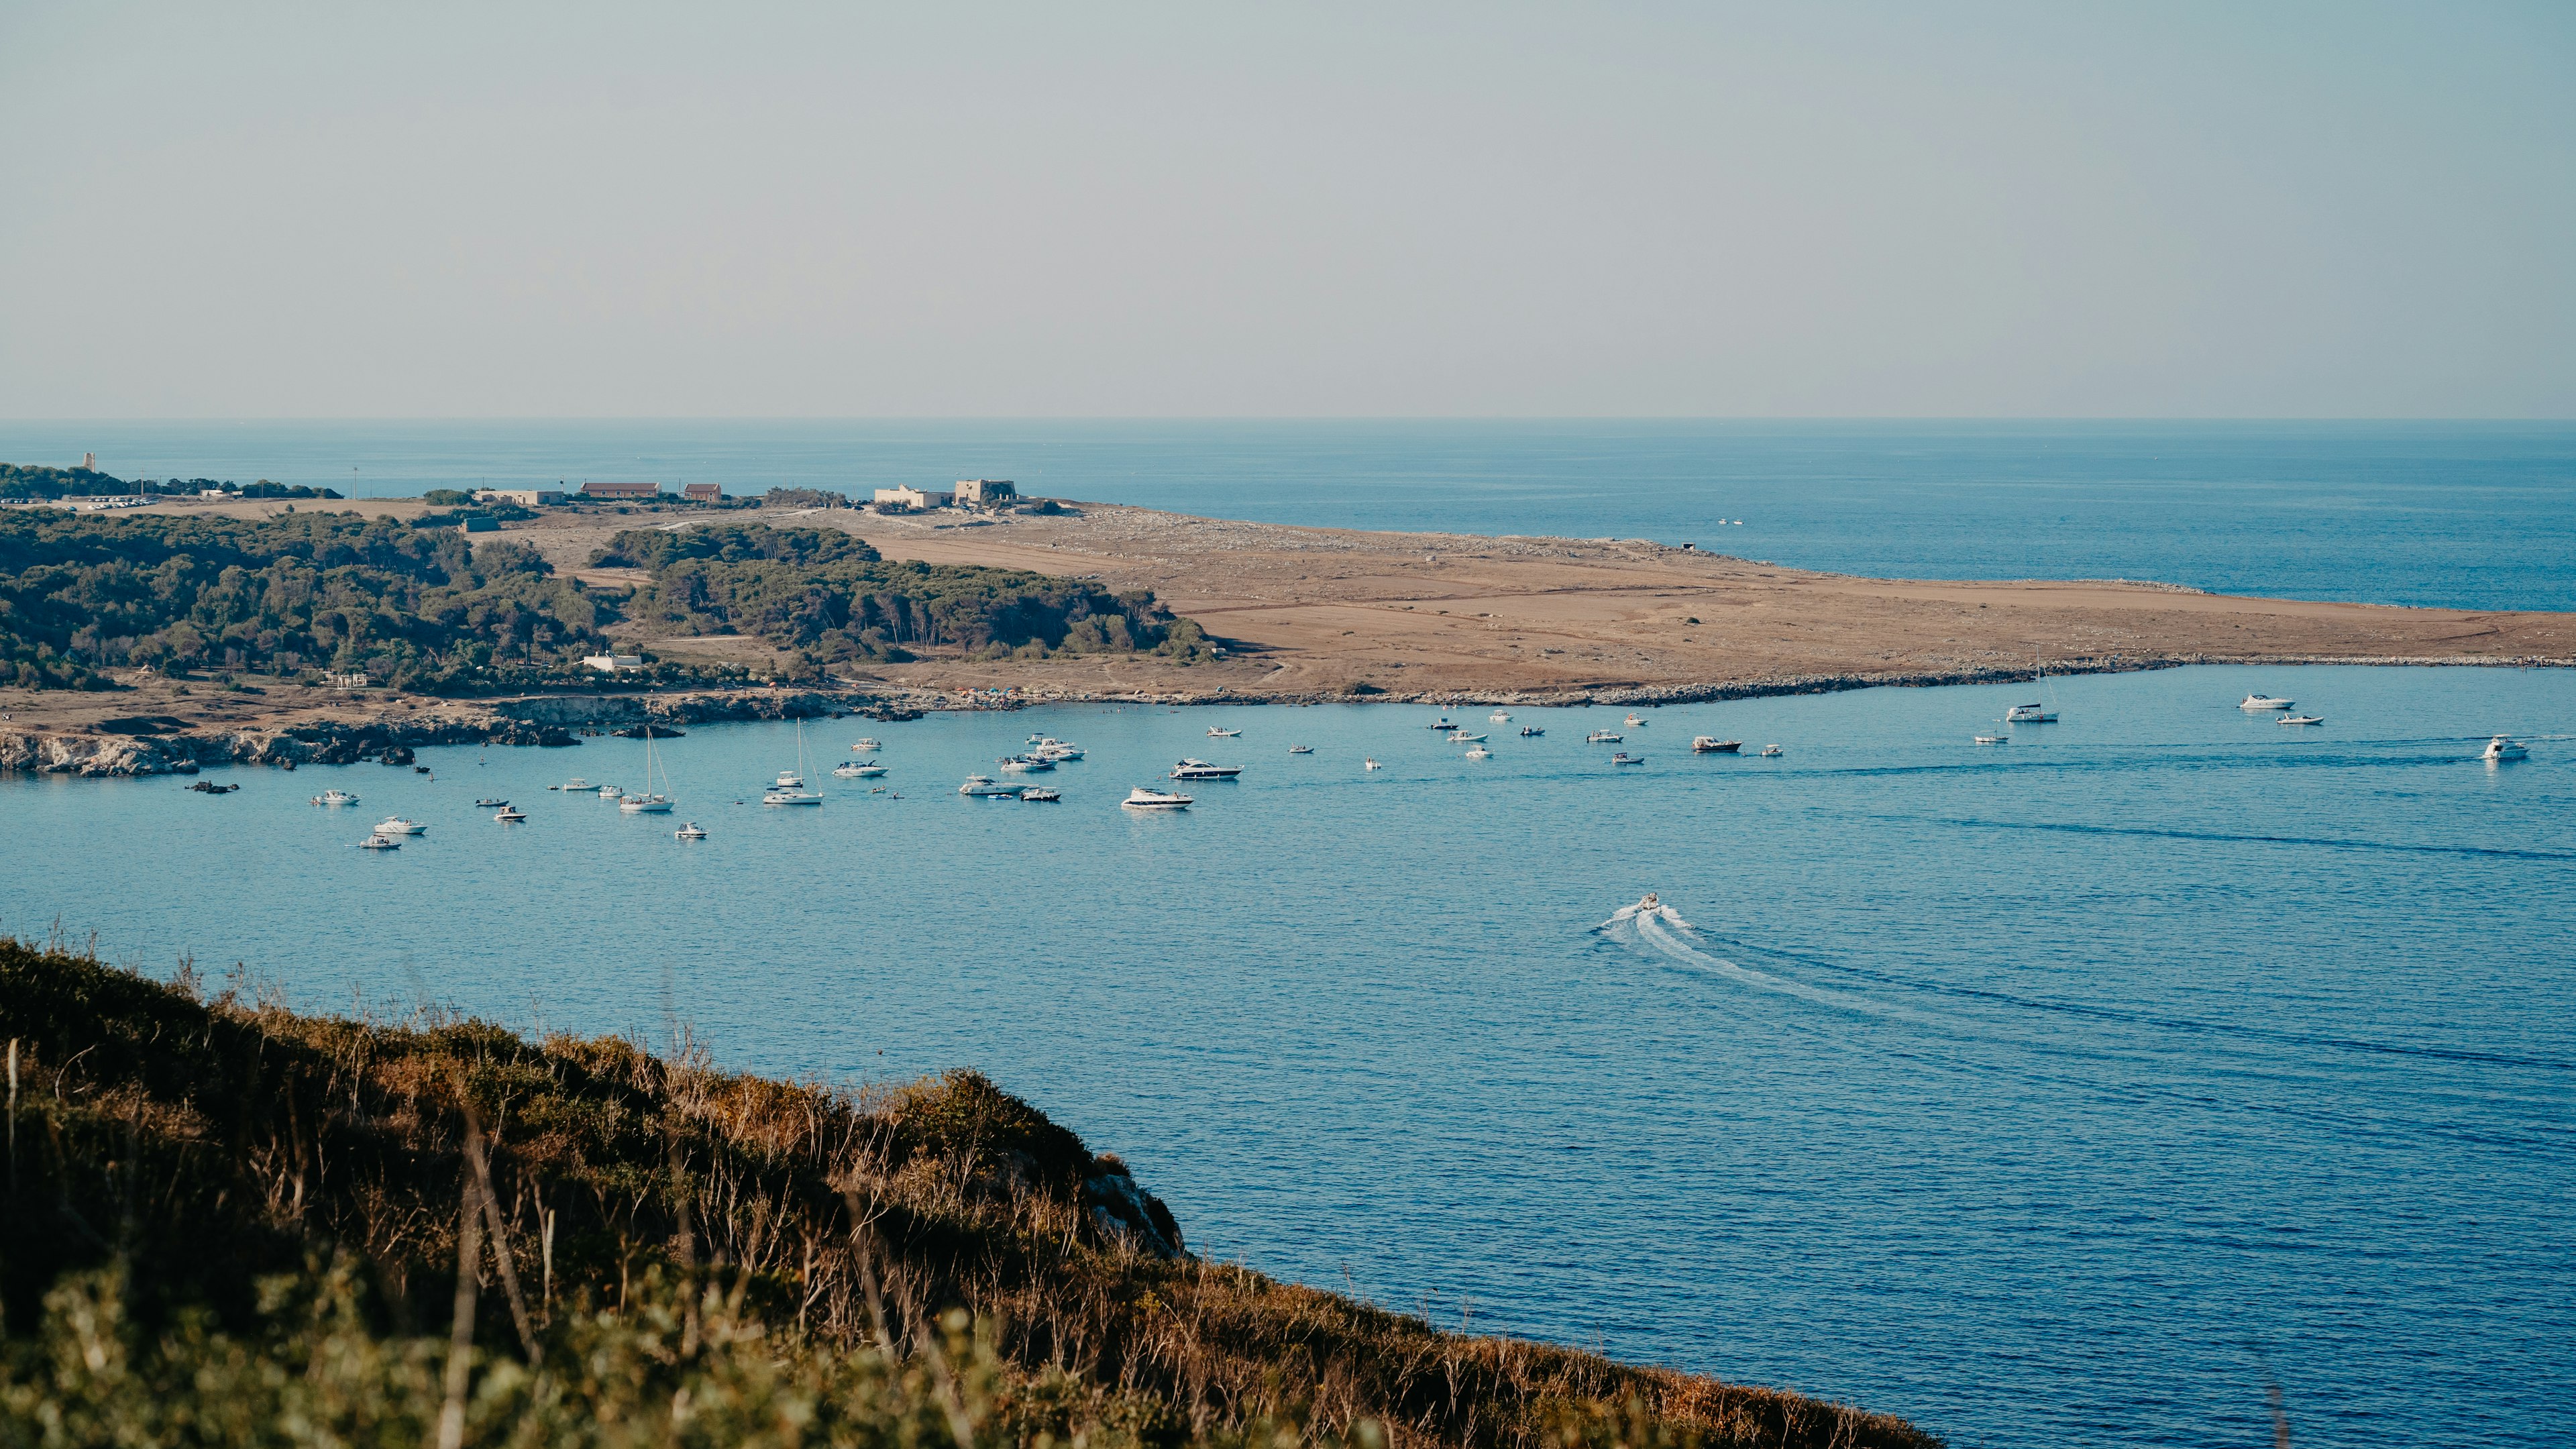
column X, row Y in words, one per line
column 576, row 783
column 396, row 825
column 1301, row 749
column 1048, row 747
column 1636, row 722
column 851, row 771
column 788, row 780
column 2301, row 719
column 1603, row 737
column 1712, row 745
column 1461, row 737
column 2030, row 714
column 1141, row 798
column 1217, row 734
column 491, row 804
column 690, row 831
column 1479, row 752
column 864, row 772
column 791, row 797
column 509, row 816
column 2504, row 747
column 381, row 842
column 1024, row 762
column 336, row 797
column 1202, row 770
column 862, row 746
column 1531, row 732
column 1442, row 723
column 1647, row 905
column 2263, row 701
column 1499, row 717
column 645, row 805
column 1624, row 758
column 1371, row 765
column 209, row 787
column 612, row 792
column 1770, row 752
column 1040, row 794
column 987, row 786
column 1994, row 739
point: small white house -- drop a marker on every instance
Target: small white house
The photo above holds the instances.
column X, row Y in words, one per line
column 611, row 663
column 986, row 492
column 909, row 497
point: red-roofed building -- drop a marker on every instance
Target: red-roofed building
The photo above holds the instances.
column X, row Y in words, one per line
column 702, row 493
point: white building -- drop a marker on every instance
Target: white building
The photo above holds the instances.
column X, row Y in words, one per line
column 524, row 497
column 611, row 663
column 914, row 497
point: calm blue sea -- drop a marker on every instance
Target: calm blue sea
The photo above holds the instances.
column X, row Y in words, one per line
column 2058, row 1092
column 2473, row 515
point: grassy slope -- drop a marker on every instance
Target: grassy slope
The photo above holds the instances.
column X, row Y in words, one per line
column 225, row 1212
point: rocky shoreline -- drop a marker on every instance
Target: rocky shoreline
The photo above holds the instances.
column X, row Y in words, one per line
column 558, row 721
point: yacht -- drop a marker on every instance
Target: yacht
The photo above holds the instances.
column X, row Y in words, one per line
column 1141, row 798
column 1024, row 762
column 2504, row 747
column 1624, row 758
column 491, row 804
column 1994, row 739
column 1603, row 737
column 1202, row 770
column 864, row 772
column 1712, row 745
column 1301, row 749
column 2032, row 713
column 2301, row 719
column 789, row 789
column 645, row 805
column 1499, row 717
column 1041, row 794
column 1636, row 722
column 1479, row 752
column 1770, row 752
column 1048, row 747
column 1531, row 732
column 1217, row 734
column 986, row 786
column 690, row 831
column 509, row 816
column 652, row 801
column 852, row 770
column 396, row 825
column 576, row 784
column 788, row 780
column 791, row 797
column 381, row 842
column 861, row 747
column 336, row 797
column 2263, row 701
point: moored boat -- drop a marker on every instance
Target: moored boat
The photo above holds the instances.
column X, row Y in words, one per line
column 690, row 831
column 1624, row 758
column 396, row 825
column 1202, row 770
column 986, row 787
column 1712, row 745
column 509, row 816
column 1141, row 798
column 336, row 797
column 2263, row 701
column 2301, row 719
column 1603, row 737
column 1040, row 794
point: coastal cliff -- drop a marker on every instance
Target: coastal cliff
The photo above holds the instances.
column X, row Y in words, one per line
column 220, row 1212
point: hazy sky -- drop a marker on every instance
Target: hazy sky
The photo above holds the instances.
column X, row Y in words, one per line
column 1194, row 209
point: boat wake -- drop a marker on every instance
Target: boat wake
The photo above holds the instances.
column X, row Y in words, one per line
column 1661, row 932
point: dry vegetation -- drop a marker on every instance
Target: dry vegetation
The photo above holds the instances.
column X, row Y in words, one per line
column 229, row 1223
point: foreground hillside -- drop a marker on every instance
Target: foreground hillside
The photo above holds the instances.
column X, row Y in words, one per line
column 226, row 1223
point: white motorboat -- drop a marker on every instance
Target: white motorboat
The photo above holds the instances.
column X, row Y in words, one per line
column 1024, row 763
column 2263, row 701
column 1499, row 717
column 2505, row 747
column 1141, row 798
column 865, row 772
column 1531, row 732
column 985, row 786
column 396, row 825
column 1712, row 745
column 1603, row 737
column 1624, row 758
column 1994, row 739
column 848, row 771
column 2033, row 713
column 1636, row 722
column 1461, row 737
column 1202, row 770
column 690, row 831
column 1479, row 752
column 336, row 797
column 612, row 792
column 791, row 797
column 863, row 746
column 381, row 842
column 1217, row 734
column 491, row 804
column 509, row 816
column 1371, row 765
column 788, row 780
column 645, row 805
column 1648, row 905
column 1040, row 794
column 1770, row 752
column 2301, row 719
column 575, row 784
column 1301, row 749
column 1048, row 747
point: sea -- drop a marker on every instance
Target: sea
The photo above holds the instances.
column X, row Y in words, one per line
column 2463, row 515
column 2082, row 1089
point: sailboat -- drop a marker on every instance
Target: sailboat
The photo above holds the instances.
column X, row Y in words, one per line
column 652, row 801
column 791, row 787
column 2034, row 712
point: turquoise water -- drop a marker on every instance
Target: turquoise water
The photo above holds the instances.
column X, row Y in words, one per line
column 2048, row 1093
column 2473, row 515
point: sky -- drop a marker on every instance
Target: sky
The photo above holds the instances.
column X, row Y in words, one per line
column 1314, row 210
